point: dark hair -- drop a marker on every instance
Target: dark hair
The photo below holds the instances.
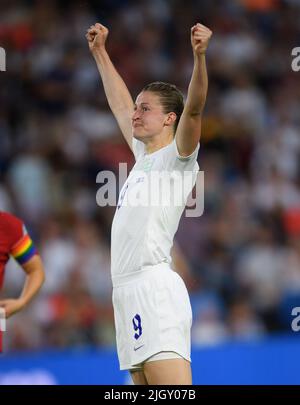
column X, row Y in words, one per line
column 170, row 97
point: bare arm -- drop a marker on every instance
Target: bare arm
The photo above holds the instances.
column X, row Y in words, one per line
column 189, row 127
column 117, row 94
column 35, row 277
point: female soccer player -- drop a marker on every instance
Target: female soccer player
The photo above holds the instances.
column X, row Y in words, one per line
column 151, row 304
column 15, row 242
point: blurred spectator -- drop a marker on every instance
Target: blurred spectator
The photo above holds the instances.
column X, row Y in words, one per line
column 209, row 327
column 243, row 323
column 57, row 133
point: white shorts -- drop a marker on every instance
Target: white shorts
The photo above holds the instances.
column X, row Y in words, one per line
column 152, row 314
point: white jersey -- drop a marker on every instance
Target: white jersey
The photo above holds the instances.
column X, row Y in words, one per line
column 148, row 212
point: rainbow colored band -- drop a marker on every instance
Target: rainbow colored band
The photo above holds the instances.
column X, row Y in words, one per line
column 24, row 250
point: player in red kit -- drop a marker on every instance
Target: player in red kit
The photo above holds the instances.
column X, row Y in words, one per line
column 15, row 242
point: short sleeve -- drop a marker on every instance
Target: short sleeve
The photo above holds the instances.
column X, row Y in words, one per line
column 138, row 148
column 12, row 228
column 22, row 247
column 174, row 161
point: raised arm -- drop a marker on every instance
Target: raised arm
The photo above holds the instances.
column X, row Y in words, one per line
column 189, row 127
column 117, row 94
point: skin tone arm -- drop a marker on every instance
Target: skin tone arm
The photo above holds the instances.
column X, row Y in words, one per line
column 118, row 96
column 189, row 127
column 35, row 277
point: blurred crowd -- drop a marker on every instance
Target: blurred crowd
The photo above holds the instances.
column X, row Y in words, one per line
column 241, row 258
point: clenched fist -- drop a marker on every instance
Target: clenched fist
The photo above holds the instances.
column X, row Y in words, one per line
column 200, row 36
column 96, row 36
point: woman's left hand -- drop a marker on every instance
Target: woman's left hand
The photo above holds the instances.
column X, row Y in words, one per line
column 200, row 36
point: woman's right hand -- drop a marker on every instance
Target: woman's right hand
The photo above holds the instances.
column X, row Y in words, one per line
column 96, row 36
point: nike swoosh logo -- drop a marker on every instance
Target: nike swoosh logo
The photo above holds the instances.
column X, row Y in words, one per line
column 137, row 348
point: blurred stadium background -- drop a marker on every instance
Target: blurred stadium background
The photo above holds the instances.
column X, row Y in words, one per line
column 240, row 260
